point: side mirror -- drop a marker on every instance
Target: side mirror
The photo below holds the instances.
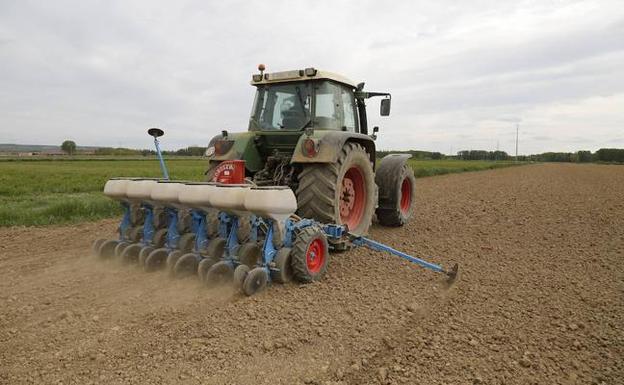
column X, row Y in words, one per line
column 384, row 109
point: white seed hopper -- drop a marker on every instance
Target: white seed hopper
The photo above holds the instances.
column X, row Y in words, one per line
column 197, row 195
column 116, row 189
column 140, row 190
column 229, row 198
column 166, row 193
column 274, row 202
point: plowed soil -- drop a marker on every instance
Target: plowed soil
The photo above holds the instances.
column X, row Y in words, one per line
column 539, row 299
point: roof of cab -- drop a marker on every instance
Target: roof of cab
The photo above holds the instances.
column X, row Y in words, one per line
column 299, row 75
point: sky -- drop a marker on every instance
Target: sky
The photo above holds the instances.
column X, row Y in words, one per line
column 462, row 74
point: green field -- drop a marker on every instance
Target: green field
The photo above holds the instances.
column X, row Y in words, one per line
column 439, row 167
column 64, row 191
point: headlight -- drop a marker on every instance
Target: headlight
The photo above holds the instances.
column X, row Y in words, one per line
column 210, row 151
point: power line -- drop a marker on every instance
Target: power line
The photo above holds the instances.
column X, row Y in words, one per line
column 517, row 141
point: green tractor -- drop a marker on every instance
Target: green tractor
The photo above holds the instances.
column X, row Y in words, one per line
column 308, row 130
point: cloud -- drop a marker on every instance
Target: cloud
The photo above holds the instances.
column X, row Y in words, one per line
column 461, row 75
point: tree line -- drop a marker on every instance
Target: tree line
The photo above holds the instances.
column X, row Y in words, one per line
column 607, row 155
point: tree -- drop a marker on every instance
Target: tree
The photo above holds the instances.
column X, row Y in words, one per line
column 610, row 155
column 69, row 147
column 583, row 156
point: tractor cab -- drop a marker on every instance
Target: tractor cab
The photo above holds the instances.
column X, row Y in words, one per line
column 309, row 98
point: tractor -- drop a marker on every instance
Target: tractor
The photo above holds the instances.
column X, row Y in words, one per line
column 308, row 130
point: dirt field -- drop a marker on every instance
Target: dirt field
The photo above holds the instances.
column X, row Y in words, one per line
column 539, row 300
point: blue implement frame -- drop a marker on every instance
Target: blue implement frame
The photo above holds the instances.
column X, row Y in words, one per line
column 148, row 224
column 173, row 235
column 199, row 227
column 126, row 222
column 163, row 167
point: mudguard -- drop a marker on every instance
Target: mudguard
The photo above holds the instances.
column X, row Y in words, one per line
column 330, row 143
column 388, row 179
column 242, row 148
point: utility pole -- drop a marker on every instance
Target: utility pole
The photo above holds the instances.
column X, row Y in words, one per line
column 517, row 141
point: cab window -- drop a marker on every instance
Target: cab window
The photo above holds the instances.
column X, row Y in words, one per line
column 334, row 108
column 281, row 107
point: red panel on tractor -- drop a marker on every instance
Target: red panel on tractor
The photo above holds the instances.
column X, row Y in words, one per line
column 230, row 172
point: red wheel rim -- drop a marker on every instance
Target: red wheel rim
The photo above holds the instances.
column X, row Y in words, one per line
column 406, row 196
column 315, row 256
column 352, row 198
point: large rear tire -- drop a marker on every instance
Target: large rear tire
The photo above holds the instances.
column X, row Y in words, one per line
column 398, row 190
column 343, row 192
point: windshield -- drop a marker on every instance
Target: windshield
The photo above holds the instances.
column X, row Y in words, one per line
column 281, row 107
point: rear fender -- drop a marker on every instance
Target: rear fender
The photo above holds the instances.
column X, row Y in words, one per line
column 388, row 179
column 329, row 145
column 243, row 148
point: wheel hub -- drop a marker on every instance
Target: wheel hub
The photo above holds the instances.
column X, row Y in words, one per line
column 347, row 200
column 352, row 198
column 315, row 256
column 406, row 196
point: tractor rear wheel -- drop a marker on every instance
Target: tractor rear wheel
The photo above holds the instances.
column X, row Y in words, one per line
column 343, row 192
column 398, row 207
